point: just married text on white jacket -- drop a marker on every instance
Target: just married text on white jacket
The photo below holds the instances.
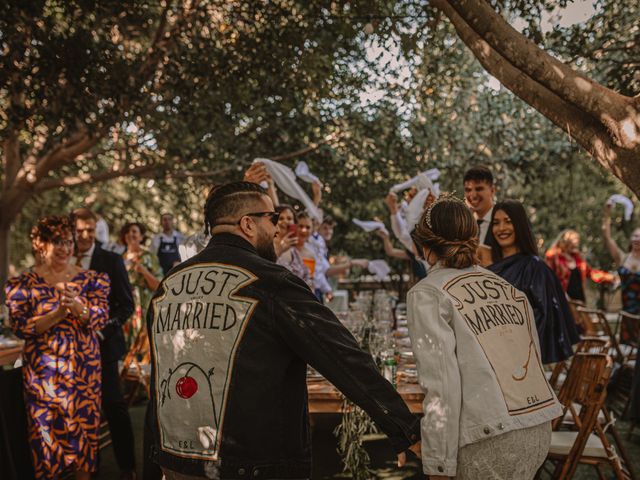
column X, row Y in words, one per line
column 478, row 357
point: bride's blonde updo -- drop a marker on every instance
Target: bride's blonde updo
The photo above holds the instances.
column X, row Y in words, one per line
column 450, row 231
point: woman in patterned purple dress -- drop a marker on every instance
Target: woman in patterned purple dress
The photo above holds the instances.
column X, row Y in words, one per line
column 58, row 309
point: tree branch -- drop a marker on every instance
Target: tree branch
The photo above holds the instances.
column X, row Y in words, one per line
column 619, row 114
column 587, row 131
column 86, row 178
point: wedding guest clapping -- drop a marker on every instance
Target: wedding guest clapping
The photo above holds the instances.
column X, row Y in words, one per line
column 59, row 308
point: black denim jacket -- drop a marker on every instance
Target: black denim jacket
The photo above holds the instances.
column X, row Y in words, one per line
column 231, row 336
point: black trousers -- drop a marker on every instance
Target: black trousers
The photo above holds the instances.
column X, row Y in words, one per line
column 117, row 413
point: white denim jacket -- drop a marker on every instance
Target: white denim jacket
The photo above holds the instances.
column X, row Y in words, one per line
column 476, row 347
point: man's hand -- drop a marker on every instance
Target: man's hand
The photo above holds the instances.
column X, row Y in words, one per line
column 415, row 448
column 392, row 202
column 257, row 173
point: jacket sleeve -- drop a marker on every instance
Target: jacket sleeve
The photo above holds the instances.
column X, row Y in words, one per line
column 434, row 346
column 317, row 336
column 121, row 304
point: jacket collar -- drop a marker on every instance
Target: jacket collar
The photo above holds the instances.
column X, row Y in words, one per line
column 230, row 239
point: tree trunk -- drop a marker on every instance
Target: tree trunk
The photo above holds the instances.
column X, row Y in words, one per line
column 4, row 257
column 605, row 123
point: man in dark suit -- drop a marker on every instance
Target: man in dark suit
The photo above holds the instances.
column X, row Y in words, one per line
column 90, row 255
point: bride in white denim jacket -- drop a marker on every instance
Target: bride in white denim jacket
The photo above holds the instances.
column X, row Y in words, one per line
column 488, row 407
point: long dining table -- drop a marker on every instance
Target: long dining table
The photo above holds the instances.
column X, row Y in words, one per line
column 325, row 398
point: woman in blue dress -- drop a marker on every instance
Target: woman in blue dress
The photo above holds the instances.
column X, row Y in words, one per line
column 515, row 258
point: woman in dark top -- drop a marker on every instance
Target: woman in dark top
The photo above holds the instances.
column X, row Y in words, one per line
column 515, row 257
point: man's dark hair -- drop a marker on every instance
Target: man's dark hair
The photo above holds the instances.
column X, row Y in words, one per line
column 479, row 173
column 229, row 200
column 83, row 213
column 525, row 240
column 328, row 220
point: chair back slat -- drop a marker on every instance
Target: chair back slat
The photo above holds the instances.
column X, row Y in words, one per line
column 593, row 345
column 601, row 327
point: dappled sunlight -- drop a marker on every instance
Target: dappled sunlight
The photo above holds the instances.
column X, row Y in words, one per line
column 583, row 84
column 437, row 413
column 630, row 129
column 558, row 71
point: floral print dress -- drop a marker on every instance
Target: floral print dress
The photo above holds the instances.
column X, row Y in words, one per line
column 61, row 371
column 141, row 292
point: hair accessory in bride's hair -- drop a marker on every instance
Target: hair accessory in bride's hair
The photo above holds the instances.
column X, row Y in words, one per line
column 442, row 197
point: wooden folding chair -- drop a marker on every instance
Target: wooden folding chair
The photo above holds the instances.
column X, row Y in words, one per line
column 577, row 317
column 136, row 366
column 586, row 345
column 601, row 328
column 582, row 396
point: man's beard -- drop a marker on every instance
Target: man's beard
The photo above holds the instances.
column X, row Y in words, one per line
column 266, row 249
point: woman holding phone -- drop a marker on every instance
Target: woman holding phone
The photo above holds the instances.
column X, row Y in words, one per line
column 286, row 243
column 58, row 308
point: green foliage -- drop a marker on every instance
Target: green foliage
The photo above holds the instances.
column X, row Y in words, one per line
column 237, row 80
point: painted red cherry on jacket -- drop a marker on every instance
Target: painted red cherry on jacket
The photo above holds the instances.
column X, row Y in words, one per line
column 186, row 387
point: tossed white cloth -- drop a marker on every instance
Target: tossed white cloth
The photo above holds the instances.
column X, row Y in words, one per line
column 285, row 179
column 379, row 268
column 303, row 172
column 370, row 225
column 416, row 208
column 192, row 245
column 102, row 231
column 401, row 230
column 421, row 181
column 622, row 200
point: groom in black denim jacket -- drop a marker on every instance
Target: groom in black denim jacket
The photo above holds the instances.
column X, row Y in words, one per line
column 231, row 335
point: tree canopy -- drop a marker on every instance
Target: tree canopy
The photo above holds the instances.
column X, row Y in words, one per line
column 138, row 105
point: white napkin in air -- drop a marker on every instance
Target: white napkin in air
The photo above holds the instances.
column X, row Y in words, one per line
column 370, row 225
column 420, row 181
column 303, row 172
column 285, row 179
column 622, row 200
column 379, row 268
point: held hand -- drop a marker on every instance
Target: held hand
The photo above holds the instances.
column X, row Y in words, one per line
column 416, row 448
column 606, row 211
